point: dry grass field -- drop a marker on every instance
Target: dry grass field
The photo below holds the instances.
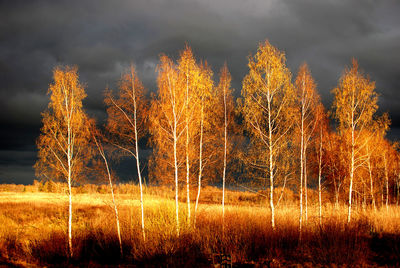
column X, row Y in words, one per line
column 33, row 232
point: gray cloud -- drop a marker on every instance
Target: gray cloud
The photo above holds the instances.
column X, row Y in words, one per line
column 103, row 37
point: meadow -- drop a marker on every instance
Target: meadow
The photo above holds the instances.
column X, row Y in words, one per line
column 33, row 230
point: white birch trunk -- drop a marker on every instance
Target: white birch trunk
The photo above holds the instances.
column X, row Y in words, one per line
column 271, row 171
column 115, row 206
column 386, row 182
column 176, row 182
column 224, row 170
column 301, row 175
column 371, row 180
column 69, row 163
column 398, row 189
column 352, row 156
column 351, row 170
column 141, row 202
column 305, row 184
column 137, row 153
column 187, row 148
column 364, row 204
column 69, row 213
column 101, row 151
column 200, row 159
column 319, row 177
column 175, row 142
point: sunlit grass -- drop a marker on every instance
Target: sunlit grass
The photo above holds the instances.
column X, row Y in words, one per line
column 33, row 230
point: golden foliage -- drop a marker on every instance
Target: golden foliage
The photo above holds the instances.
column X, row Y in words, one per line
column 127, row 113
column 355, row 100
column 64, row 135
column 267, row 108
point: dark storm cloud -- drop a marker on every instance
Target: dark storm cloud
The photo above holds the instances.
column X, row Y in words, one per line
column 103, row 37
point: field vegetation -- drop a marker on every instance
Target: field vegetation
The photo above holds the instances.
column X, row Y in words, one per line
column 33, row 230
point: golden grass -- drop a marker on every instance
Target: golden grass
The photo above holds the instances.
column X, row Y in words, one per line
column 33, row 232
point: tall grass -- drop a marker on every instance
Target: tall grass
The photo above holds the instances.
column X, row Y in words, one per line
column 34, row 233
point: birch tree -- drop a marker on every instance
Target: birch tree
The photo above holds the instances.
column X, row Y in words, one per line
column 205, row 100
column 224, row 92
column 167, row 118
column 370, row 167
column 354, row 107
column 224, row 113
column 63, row 142
column 307, row 103
column 189, row 78
column 374, row 135
column 322, row 132
column 267, row 95
column 126, row 122
column 97, row 137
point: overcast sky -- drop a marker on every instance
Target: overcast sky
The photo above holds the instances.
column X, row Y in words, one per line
column 103, row 37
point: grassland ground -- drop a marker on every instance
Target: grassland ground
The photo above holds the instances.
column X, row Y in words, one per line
column 33, row 232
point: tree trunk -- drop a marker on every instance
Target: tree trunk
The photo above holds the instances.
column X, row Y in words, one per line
column 187, row 148
column 319, row 178
column 398, row 192
column 176, row 173
column 224, row 170
column 70, row 216
column 350, row 197
column 141, row 208
column 200, row 160
column 364, row 198
column 187, row 176
column 398, row 189
column 305, row 185
column 115, row 205
column 351, row 170
column 301, row 177
column 101, row 151
column 176, row 186
column 137, row 152
column 371, row 183
column 271, row 170
column 386, row 182
column 69, row 162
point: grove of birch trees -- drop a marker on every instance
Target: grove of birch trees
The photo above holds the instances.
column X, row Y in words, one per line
column 275, row 136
